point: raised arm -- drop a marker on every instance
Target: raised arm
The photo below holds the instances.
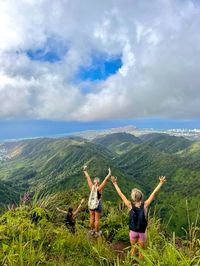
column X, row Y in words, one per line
column 122, row 196
column 162, row 180
column 105, row 180
column 77, row 210
column 89, row 181
column 60, row 210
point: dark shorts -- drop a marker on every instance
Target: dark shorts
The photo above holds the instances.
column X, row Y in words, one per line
column 99, row 208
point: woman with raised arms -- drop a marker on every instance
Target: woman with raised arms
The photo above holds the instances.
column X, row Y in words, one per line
column 95, row 203
column 138, row 214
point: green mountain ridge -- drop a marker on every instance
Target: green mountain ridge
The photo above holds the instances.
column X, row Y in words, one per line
column 165, row 142
column 118, row 142
column 54, row 165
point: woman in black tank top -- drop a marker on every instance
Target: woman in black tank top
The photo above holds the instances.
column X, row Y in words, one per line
column 138, row 214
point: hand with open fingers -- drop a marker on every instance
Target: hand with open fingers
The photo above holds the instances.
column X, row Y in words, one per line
column 162, row 179
column 114, row 180
column 85, row 168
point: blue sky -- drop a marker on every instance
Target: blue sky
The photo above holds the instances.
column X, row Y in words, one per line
column 98, row 65
column 51, row 51
column 101, row 68
column 44, row 56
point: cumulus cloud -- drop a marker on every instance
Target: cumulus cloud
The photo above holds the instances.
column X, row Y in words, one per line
column 158, row 42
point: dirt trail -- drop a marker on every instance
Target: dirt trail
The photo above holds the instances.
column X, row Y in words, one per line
column 120, row 248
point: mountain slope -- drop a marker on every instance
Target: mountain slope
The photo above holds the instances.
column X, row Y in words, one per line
column 166, row 143
column 56, row 164
column 192, row 155
column 9, row 193
column 118, row 142
column 144, row 163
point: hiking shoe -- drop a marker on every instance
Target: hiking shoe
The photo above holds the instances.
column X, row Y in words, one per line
column 97, row 234
column 92, row 232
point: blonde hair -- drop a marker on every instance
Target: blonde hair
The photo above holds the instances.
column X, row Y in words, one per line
column 136, row 195
column 96, row 180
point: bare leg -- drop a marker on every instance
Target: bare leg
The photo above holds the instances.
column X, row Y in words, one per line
column 142, row 245
column 92, row 220
column 97, row 221
column 133, row 247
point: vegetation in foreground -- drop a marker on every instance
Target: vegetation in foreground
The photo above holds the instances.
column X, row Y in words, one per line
column 48, row 242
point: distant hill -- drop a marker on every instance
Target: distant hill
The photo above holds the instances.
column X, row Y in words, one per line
column 165, row 142
column 145, row 162
column 193, row 151
column 118, row 142
column 191, row 155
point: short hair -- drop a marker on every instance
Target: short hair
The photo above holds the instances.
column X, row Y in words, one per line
column 136, row 195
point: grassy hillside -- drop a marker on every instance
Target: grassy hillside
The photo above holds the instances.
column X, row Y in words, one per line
column 191, row 155
column 118, row 142
column 54, row 165
column 48, row 242
column 166, row 143
column 10, row 193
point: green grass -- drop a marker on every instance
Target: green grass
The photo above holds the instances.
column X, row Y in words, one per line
column 48, row 242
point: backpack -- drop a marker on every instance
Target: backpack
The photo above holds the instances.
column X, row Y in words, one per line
column 93, row 201
column 138, row 219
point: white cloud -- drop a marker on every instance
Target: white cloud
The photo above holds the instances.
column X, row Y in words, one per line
column 158, row 43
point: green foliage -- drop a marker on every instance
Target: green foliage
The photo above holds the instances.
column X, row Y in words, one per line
column 9, row 193
column 26, row 243
column 118, row 142
column 167, row 143
column 48, row 242
column 115, row 224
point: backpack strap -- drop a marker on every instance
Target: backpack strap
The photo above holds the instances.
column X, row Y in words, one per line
column 132, row 205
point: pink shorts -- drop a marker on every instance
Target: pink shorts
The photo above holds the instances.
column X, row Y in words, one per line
column 142, row 237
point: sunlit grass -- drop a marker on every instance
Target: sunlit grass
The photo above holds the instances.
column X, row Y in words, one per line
column 49, row 242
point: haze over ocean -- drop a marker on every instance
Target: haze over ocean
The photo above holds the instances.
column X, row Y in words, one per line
column 29, row 129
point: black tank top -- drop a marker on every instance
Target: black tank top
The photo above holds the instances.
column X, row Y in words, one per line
column 69, row 220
